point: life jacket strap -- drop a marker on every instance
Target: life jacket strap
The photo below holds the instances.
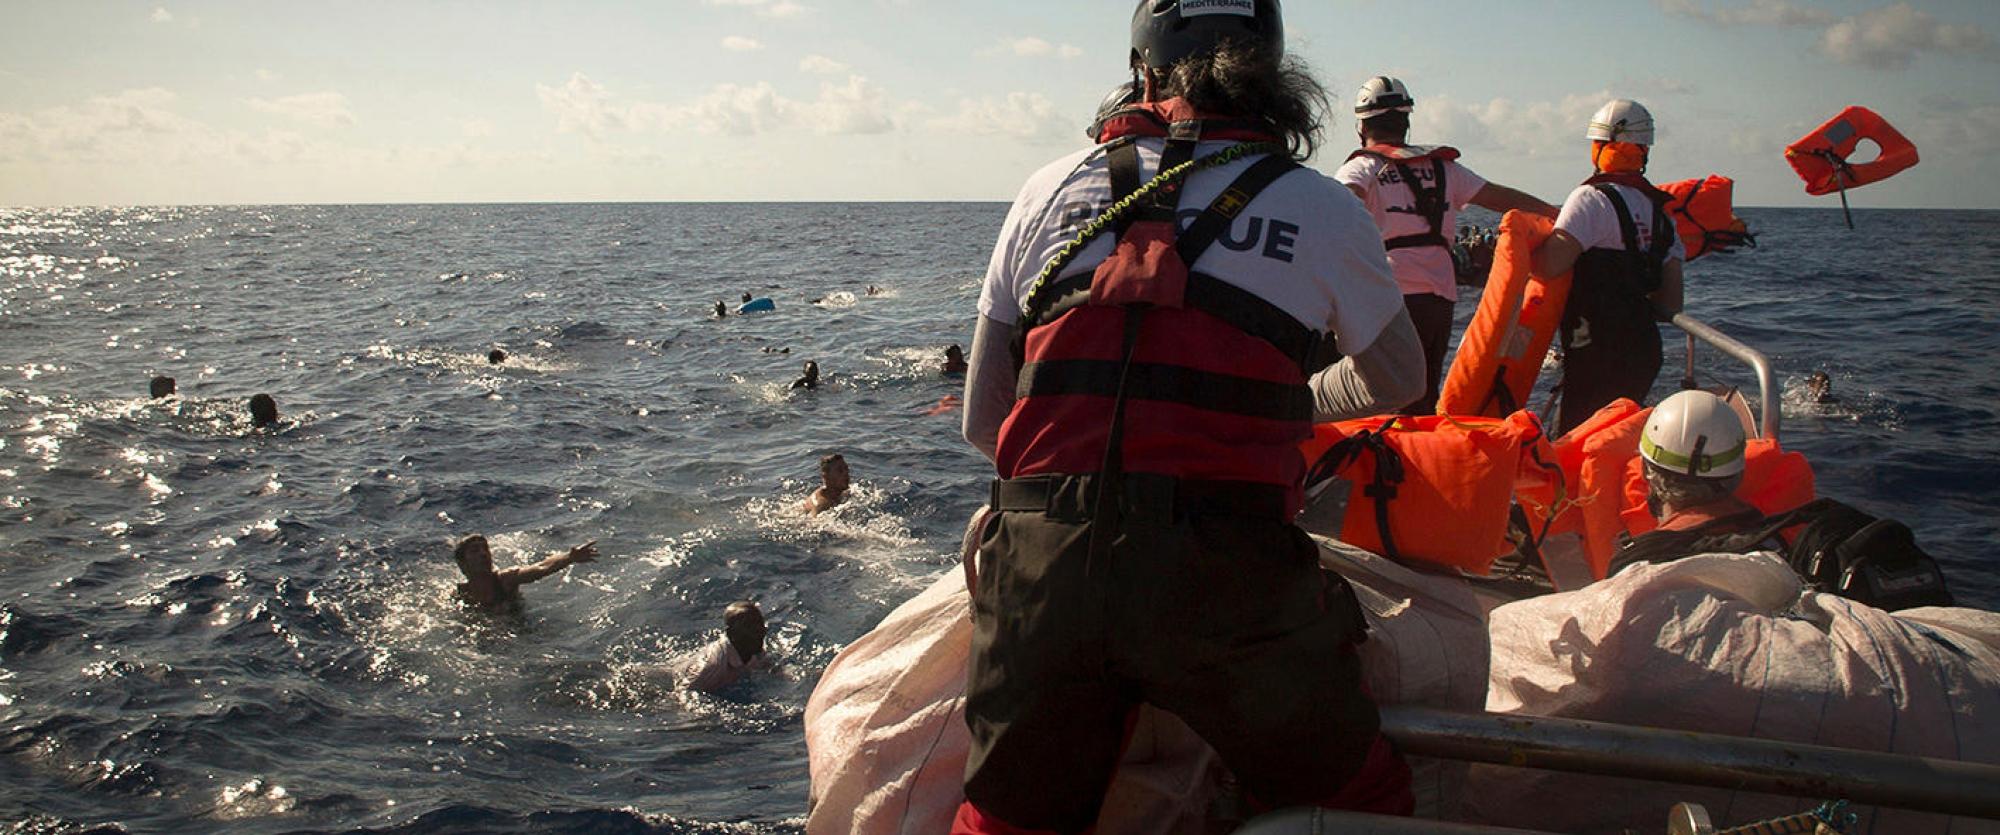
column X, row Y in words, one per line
column 1225, row 393
column 1431, row 204
column 1646, row 262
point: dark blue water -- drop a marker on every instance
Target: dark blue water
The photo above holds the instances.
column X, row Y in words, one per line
column 206, row 628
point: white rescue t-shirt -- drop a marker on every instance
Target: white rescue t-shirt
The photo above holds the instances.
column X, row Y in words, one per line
column 1592, row 219
column 1304, row 244
column 1418, row 269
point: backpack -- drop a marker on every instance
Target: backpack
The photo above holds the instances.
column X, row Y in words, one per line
column 1839, row 549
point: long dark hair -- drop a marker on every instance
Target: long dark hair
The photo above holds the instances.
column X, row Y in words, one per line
column 1243, row 79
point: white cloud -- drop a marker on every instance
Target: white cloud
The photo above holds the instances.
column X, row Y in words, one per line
column 581, row 106
column 1758, row 13
column 1533, row 129
column 326, row 110
column 1031, row 47
column 738, row 43
column 849, row 108
column 1891, row 37
column 161, row 15
column 1028, row 116
column 476, row 128
column 821, row 65
column 266, row 76
column 1887, row 37
column 778, row 9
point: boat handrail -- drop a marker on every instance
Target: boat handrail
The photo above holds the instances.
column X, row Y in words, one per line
column 1770, row 411
column 1699, row 759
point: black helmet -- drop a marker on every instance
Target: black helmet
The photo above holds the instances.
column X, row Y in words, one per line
column 1122, row 96
column 1165, row 32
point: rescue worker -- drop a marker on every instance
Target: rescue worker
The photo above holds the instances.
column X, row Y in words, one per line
column 1615, row 231
column 1693, row 447
column 1146, row 440
column 1415, row 192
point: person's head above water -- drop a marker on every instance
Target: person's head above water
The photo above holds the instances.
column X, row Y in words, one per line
column 1819, row 387
column 811, row 370
column 743, row 623
column 161, row 387
column 833, row 472
column 263, row 410
column 496, row 356
column 1229, row 62
column 474, row 557
column 746, row 297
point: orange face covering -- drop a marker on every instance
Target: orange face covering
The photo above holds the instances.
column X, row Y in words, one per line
column 1618, row 157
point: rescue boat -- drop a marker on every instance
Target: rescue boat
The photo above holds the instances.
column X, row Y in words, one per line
column 1530, row 691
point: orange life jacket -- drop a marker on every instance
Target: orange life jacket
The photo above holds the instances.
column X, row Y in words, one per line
column 1820, row 157
column 1705, row 217
column 1502, row 350
column 1592, row 460
column 1431, row 489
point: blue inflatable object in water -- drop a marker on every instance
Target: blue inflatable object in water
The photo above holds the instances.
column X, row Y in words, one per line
column 761, row 304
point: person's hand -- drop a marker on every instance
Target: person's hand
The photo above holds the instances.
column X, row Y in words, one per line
column 587, row 552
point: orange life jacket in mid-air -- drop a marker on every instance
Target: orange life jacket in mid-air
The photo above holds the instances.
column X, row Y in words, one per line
column 1501, row 353
column 1820, row 157
column 1704, row 214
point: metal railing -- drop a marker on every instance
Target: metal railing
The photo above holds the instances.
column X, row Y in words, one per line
column 1699, row 759
column 1770, row 410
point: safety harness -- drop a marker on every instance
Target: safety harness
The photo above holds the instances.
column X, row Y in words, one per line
column 1431, row 203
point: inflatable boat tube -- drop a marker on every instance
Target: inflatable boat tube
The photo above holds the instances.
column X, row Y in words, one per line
column 1501, row 352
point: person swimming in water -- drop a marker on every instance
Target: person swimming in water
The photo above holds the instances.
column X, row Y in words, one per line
column 833, row 479
column 954, row 360
column 810, row 378
column 721, row 310
column 263, row 411
column 738, row 652
column 161, row 387
column 1819, row 387
column 496, row 357
column 746, row 298
column 490, row 589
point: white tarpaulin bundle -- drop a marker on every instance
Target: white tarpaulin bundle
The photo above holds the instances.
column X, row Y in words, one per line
column 1733, row 644
column 887, row 741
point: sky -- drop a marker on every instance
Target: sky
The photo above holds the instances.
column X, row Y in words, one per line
column 277, row 101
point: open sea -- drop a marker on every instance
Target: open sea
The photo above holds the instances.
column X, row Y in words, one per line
column 206, row 628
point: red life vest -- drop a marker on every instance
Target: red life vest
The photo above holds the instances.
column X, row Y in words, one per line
column 1202, row 379
column 1431, row 203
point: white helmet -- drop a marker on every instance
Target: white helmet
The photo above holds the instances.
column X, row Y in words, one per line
column 1694, row 433
column 1380, row 95
column 1622, row 120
